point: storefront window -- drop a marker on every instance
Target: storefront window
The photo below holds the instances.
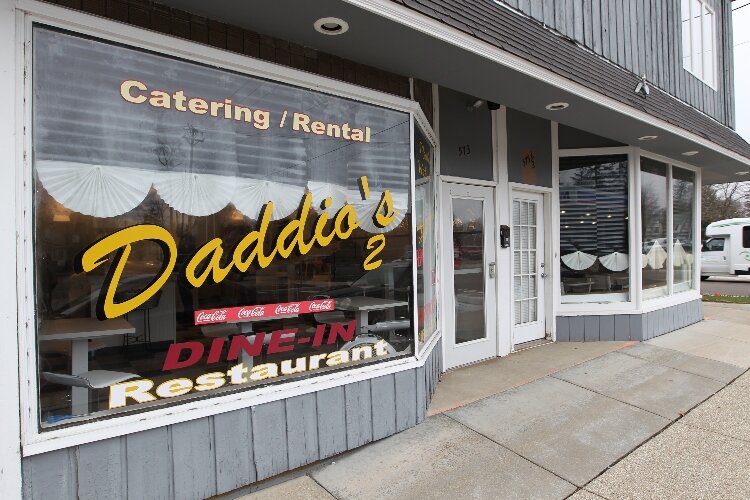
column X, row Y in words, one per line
column 683, row 224
column 594, row 238
column 654, row 227
column 424, row 195
column 199, row 231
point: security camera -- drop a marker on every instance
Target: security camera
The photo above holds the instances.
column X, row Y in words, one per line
column 475, row 105
column 492, row 106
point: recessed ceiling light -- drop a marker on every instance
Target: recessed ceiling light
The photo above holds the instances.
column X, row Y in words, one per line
column 331, row 26
column 744, row 172
column 690, row 153
column 557, row 106
column 648, row 137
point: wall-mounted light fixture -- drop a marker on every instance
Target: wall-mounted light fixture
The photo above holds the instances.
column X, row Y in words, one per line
column 557, row 106
column 642, row 88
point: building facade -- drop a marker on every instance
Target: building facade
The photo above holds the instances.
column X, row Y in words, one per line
column 251, row 235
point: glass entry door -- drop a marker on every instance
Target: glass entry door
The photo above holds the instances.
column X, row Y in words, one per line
column 471, row 310
column 529, row 271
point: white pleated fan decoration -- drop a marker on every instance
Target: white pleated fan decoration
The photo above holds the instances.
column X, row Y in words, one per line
column 656, row 256
column 97, row 190
column 615, row 261
column 366, row 211
column 579, row 260
column 251, row 194
column 339, row 195
column 195, row 194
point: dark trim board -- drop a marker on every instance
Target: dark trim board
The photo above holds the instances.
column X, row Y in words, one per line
column 622, row 327
column 217, row 454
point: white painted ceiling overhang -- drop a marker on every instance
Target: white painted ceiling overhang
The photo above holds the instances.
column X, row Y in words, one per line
column 388, row 36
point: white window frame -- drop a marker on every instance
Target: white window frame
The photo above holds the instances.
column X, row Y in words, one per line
column 33, row 441
column 636, row 304
column 619, row 307
column 672, row 298
column 688, row 63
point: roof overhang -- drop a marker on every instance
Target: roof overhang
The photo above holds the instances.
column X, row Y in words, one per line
column 389, row 36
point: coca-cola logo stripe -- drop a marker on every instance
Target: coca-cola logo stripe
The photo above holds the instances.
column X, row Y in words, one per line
column 267, row 311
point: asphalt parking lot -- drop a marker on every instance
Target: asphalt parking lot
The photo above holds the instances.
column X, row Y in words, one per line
column 739, row 285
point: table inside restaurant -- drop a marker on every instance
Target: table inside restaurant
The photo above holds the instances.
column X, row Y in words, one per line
column 361, row 306
column 79, row 331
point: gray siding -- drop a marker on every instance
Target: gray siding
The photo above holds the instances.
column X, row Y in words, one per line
column 213, row 455
column 628, row 326
column 643, row 36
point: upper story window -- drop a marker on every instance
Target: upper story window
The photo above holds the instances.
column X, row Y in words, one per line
column 698, row 35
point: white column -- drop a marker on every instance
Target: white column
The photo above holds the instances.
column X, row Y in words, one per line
column 10, row 164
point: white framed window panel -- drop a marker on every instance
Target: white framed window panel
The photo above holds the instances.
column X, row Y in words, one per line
column 35, row 442
column 592, row 307
column 421, row 121
column 698, row 26
column 672, row 297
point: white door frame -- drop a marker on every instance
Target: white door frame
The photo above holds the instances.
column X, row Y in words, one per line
column 476, row 350
column 547, row 283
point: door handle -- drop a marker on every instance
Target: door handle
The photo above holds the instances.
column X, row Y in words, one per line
column 492, row 269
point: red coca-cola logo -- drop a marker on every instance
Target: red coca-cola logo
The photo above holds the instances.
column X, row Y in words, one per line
column 292, row 308
column 211, row 316
column 321, row 305
column 251, row 312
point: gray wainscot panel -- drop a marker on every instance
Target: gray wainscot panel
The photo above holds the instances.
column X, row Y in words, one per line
column 217, row 454
column 628, row 326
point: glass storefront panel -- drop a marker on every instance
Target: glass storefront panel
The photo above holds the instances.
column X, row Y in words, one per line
column 594, row 236
column 199, row 231
column 654, row 227
column 683, row 227
column 424, row 203
column 468, row 269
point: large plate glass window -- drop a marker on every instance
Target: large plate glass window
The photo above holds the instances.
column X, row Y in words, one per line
column 654, row 227
column 594, row 237
column 199, row 231
column 683, row 229
column 426, row 244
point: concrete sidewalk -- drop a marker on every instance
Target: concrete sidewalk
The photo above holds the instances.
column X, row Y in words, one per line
column 613, row 420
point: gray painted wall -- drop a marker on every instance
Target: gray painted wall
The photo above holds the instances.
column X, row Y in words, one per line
column 465, row 137
column 643, row 36
column 628, row 326
column 217, row 454
column 573, row 138
column 529, row 149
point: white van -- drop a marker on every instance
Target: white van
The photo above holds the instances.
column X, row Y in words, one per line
column 726, row 252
